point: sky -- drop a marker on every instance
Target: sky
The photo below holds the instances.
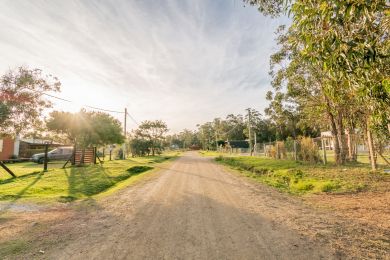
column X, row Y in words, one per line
column 184, row 62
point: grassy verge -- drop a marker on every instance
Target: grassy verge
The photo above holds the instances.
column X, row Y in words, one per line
column 73, row 183
column 297, row 178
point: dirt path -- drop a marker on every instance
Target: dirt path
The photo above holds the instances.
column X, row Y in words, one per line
column 193, row 210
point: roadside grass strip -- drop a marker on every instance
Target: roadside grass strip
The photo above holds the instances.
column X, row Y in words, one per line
column 299, row 178
column 72, row 183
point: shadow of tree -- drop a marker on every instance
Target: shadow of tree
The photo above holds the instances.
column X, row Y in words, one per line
column 17, row 196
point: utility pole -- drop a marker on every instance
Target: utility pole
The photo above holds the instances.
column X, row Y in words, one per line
column 216, row 140
column 124, row 133
column 255, row 145
column 249, row 130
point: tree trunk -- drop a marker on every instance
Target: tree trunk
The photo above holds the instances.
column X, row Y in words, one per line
column 371, row 149
column 335, row 139
column 342, row 139
column 388, row 127
column 351, row 146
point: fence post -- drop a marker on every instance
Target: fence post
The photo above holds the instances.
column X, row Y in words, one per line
column 265, row 152
column 295, row 151
column 7, row 169
column 94, row 155
column 45, row 158
column 324, row 151
column 110, row 153
column 74, row 155
column 104, row 153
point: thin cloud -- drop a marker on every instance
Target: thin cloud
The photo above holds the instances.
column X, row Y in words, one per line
column 185, row 62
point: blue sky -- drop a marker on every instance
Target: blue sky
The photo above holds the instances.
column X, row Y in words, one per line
column 184, row 61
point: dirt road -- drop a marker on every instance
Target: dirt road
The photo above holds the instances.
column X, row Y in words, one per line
column 193, row 210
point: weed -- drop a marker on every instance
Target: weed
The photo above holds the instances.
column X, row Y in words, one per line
column 298, row 178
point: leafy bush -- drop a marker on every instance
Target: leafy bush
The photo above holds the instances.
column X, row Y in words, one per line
column 308, row 151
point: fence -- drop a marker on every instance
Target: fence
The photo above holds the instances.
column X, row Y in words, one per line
column 313, row 150
column 60, row 157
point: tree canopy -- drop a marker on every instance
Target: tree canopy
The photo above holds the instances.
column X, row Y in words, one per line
column 22, row 98
column 149, row 137
column 332, row 68
column 86, row 128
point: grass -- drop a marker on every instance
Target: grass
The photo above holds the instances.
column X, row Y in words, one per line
column 72, row 183
column 299, row 178
column 12, row 247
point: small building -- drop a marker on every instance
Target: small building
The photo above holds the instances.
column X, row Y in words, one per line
column 327, row 137
column 22, row 148
column 6, row 148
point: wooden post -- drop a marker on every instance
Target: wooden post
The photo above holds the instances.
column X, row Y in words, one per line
column 265, row 152
column 74, row 156
column 94, row 155
column 104, row 153
column 82, row 156
column 45, row 158
column 324, row 151
column 7, row 169
column 110, row 153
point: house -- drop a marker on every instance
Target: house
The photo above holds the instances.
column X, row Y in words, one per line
column 22, row 148
column 6, row 148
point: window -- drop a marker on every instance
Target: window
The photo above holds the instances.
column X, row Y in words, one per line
column 1, row 145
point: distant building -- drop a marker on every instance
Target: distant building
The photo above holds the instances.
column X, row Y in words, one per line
column 328, row 140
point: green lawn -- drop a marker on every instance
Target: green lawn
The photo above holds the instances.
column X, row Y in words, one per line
column 299, row 178
column 72, row 183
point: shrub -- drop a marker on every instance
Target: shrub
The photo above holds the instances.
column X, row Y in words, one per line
column 329, row 186
column 304, row 186
column 308, row 151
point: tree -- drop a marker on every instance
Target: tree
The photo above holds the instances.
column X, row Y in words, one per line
column 153, row 132
column 139, row 146
column 22, row 98
column 86, row 128
column 4, row 113
column 334, row 60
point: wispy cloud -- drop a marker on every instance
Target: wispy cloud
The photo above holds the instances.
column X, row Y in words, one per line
column 181, row 61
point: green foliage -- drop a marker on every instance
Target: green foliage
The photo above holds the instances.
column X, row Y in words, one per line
column 289, row 176
column 86, row 128
column 150, row 136
column 22, row 99
column 332, row 68
column 140, row 147
column 270, row 7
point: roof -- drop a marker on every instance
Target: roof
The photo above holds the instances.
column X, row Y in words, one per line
column 38, row 141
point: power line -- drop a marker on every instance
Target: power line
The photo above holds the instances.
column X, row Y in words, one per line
column 132, row 118
column 88, row 106
column 92, row 107
column 96, row 108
